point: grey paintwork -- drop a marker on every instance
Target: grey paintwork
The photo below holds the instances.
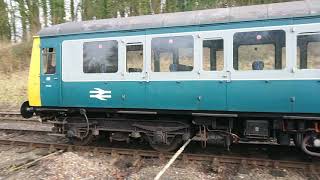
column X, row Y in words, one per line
column 211, row 16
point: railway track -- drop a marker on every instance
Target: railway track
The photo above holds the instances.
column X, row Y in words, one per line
column 13, row 122
column 311, row 169
column 16, row 116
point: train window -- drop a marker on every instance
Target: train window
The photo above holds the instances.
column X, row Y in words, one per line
column 100, row 57
column 249, row 54
column 49, row 60
column 308, row 51
column 172, row 54
column 260, row 50
column 134, row 56
column 213, row 56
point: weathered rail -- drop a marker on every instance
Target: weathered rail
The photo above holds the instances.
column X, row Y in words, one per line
column 13, row 121
column 15, row 116
column 309, row 168
column 216, row 160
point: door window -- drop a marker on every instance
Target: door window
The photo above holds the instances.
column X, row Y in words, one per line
column 213, row 56
column 308, row 51
column 134, row 57
column 49, row 60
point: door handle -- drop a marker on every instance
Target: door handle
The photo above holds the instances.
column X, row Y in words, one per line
column 55, row 78
column 146, row 77
column 228, row 76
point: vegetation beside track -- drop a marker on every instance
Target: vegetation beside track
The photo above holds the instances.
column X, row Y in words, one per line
column 13, row 89
column 14, row 64
column 14, row 57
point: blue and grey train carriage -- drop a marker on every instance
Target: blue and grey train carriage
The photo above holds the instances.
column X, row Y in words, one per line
column 218, row 76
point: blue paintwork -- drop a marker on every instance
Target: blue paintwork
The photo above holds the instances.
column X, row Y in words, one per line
column 307, row 96
column 260, row 96
column 298, row 96
column 249, row 96
column 188, row 95
column 253, row 96
column 183, row 95
column 50, row 84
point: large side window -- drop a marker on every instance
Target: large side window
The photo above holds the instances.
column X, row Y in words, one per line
column 100, row 57
column 308, row 51
column 213, row 56
column 49, row 60
column 260, row 50
column 172, row 54
column 134, row 56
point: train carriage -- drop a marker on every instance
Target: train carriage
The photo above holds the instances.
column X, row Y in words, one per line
column 218, row 76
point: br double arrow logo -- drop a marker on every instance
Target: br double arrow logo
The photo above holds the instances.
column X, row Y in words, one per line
column 100, row 94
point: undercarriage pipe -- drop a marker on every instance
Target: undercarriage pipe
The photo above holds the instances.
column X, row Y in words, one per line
column 83, row 112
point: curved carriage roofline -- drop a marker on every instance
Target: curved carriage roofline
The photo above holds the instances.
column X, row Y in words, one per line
column 211, row 16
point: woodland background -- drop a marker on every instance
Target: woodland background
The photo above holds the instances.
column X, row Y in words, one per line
column 20, row 19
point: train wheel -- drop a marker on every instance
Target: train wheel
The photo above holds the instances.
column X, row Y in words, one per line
column 172, row 145
column 81, row 142
column 24, row 110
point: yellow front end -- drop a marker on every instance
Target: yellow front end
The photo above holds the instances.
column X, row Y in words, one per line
column 34, row 74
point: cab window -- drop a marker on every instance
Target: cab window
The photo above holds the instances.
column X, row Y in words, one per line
column 172, row 54
column 49, row 60
column 308, row 51
column 260, row 50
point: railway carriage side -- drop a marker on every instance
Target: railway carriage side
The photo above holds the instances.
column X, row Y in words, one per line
column 234, row 82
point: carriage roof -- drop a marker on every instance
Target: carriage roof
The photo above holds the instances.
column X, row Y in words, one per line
column 210, row 16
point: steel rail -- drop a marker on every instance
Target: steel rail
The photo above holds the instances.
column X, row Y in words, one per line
column 307, row 167
column 10, row 113
column 16, row 116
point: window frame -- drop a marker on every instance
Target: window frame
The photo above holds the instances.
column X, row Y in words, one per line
column 284, row 29
column 303, row 29
column 172, row 76
column 298, row 58
column 126, row 59
column 72, row 71
column 227, row 44
column 267, row 75
column 197, row 72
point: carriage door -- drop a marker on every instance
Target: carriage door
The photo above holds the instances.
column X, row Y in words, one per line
column 50, row 76
column 259, row 78
column 306, row 85
column 135, row 93
column 213, row 92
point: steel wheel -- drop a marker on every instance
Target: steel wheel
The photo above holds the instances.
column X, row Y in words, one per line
column 173, row 144
column 81, row 142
